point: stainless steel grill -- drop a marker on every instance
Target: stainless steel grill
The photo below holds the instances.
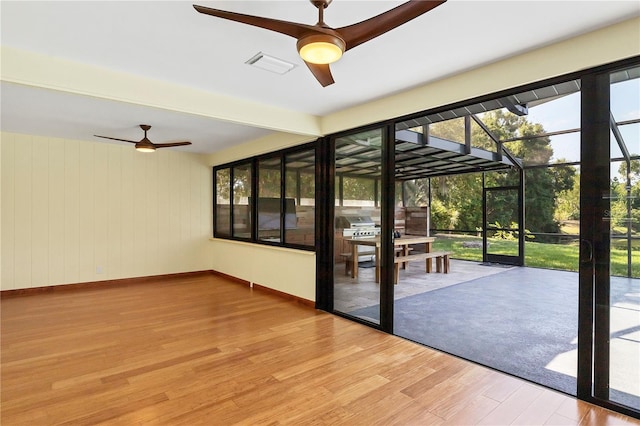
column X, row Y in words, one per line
column 357, row 226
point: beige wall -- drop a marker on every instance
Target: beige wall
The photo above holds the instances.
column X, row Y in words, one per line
column 286, row 270
column 72, row 208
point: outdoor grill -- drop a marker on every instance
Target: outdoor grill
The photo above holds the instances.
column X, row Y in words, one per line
column 357, row 226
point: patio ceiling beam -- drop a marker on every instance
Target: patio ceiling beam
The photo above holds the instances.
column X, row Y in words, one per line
column 500, row 146
column 540, row 135
column 621, row 143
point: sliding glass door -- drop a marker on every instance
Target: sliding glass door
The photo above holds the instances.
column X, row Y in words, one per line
column 624, row 260
column 609, row 341
column 426, row 151
column 359, row 228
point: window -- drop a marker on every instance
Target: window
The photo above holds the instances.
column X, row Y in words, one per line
column 300, row 201
column 222, row 221
column 269, row 199
column 242, row 201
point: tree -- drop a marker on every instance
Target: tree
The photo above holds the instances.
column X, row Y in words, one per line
column 461, row 194
column 625, row 189
column 568, row 204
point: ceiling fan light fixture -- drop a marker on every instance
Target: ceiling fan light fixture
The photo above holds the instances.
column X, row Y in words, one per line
column 143, row 147
column 321, row 48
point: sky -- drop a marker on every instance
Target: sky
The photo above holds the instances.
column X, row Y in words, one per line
column 564, row 113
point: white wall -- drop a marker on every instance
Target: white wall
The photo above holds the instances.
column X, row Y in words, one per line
column 76, row 211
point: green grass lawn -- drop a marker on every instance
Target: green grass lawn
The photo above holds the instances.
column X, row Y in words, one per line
column 540, row 255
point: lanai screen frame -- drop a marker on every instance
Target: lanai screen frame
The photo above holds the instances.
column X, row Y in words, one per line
column 327, row 169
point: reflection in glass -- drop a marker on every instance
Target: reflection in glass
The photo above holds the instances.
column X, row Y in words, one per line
column 300, row 195
column 624, row 222
column 357, row 225
column 241, row 201
column 223, row 202
column 269, row 202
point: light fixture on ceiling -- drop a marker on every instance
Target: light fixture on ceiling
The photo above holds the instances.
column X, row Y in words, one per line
column 145, row 145
column 270, row 63
column 319, row 45
column 320, row 48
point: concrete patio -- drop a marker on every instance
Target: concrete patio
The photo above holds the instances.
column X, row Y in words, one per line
column 519, row 320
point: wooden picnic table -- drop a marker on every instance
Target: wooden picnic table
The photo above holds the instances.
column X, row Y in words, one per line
column 403, row 242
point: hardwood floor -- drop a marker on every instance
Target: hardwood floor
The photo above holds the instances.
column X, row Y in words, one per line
column 204, row 350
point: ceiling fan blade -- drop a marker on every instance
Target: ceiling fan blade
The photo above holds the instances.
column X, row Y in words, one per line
column 116, row 139
column 167, row 145
column 361, row 32
column 292, row 29
column 322, row 73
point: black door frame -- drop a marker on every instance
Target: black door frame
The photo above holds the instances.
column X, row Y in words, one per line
column 325, row 218
column 595, row 244
column 593, row 309
column 501, row 258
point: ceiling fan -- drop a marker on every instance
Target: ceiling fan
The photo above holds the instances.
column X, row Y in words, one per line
column 145, row 145
column 320, row 45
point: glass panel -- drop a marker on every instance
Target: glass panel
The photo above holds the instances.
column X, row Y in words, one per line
column 300, row 198
column 552, row 234
column 241, row 201
column 358, row 191
column 451, row 130
column 502, row 222
column 223, row 203
column 269, row 199
column 456, row 204
column 529, row 313
column 624, row 222
column 357, row 226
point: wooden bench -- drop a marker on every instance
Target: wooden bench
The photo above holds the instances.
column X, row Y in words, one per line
column 397, row 251
column 347, row 258
column 442, row 261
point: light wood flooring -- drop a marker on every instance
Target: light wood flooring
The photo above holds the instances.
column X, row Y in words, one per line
column 204, row 350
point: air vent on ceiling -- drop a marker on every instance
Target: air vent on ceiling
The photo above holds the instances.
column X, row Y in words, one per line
column 269, row 63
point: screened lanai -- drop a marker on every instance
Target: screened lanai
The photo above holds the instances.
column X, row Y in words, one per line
column 491, row 181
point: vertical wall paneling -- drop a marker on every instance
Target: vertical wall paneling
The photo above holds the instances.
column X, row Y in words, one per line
column 23, row 212
column 7, row 146
column 138, row 213
column 206, row 202
column 194, row 196
column 56, row 213
column 164, row 215
column 86, row 219
column 127, row 212
column 172, row 227
column 151, row 210
column 80, row 211
column 71, row 211
column 39, row 214
column 114, row 208
column 100, row 188
column 184, row 198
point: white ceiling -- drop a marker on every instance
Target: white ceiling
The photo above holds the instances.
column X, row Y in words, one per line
column 171, row 42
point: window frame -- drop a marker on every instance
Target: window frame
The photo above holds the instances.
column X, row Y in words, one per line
column 254, row 164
